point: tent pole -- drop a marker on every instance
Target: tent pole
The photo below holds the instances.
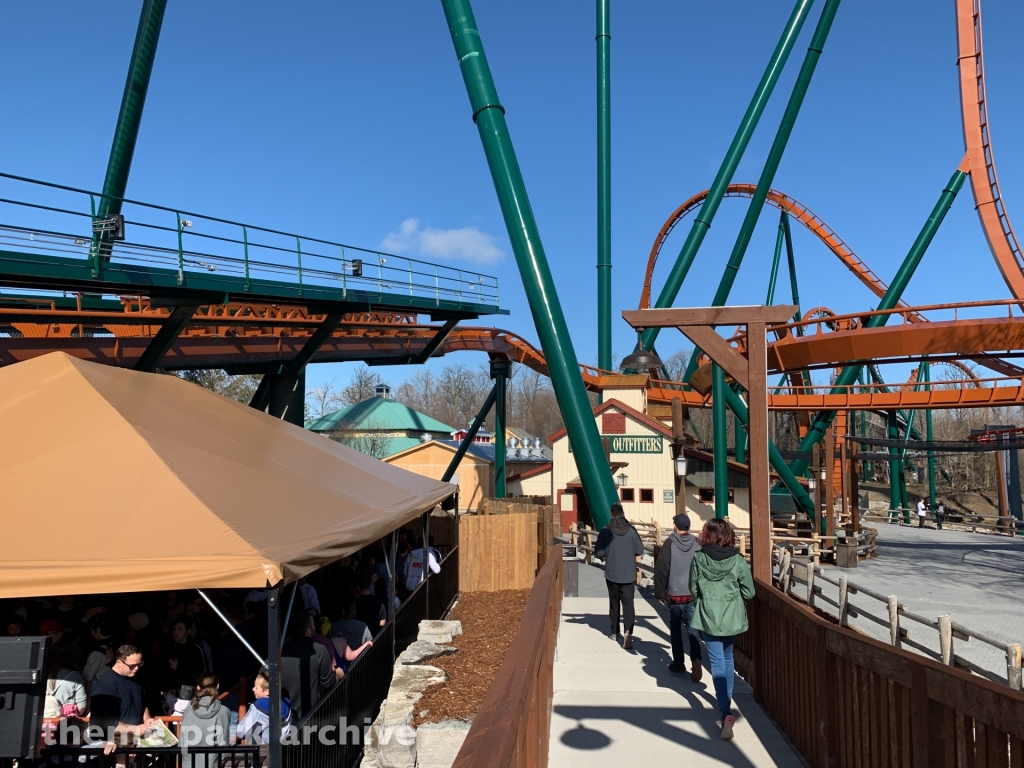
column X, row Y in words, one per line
column 231, row 627
column 288, row 613
column 392, row 587
column 274, row 674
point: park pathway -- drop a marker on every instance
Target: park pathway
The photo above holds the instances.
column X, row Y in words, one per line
column 624, row 709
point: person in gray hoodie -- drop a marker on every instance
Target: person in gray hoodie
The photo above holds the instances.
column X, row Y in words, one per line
column 206, row 722
column 619, row 545
column 672, row 586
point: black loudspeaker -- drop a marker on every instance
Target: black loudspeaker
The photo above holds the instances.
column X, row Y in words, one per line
column 22, row 690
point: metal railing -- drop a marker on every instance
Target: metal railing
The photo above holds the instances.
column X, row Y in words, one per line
column 332, row 735
column 233, row 756
column 792, row 573
column 61, row 221
column 349, row 707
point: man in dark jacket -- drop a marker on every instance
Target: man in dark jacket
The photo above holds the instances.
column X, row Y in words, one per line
column 619, row 545
column 672, row 585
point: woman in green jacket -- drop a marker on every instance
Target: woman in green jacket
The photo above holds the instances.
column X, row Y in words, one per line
column 720, row 581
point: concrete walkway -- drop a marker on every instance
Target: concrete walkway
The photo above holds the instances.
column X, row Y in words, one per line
column 624, row 709
column 977, row 578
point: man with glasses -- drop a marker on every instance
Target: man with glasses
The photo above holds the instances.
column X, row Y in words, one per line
column 117, row 698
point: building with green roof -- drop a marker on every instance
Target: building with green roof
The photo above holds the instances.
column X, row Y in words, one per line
column 380, row 427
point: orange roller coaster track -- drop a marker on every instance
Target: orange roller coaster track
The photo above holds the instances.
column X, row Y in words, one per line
column 988, row 198
column 783, row 202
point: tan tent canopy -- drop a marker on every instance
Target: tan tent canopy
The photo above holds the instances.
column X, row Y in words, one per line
column 118, row 481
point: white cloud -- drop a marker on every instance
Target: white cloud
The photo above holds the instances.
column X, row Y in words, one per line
column 465, row 244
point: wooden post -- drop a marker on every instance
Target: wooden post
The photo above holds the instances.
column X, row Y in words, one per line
column 844, row 468
column 816, row 474
column 678, row 441
column 855, row 487
column 844, row 601
column 830, row 491
column 811, row 567
column 946, row 639
column 589, row 553
column 784, row 569
column 1013, row 676
column 894, row 622
column 815, row 547
column 757, row 430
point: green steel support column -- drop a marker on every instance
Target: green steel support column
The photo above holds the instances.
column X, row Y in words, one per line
column 892, row 297
column 776, row 260
column 702, row 223
column 548, row 318
column 604, row 186
column 500, row 370
column 895, row 465
column 791, row 262
column 132, row 103
column 721, row 438
column 789, row 480
column 741, row 443
column 929, row 437
column 771, row 166
column 904, row 498
column 474, row 427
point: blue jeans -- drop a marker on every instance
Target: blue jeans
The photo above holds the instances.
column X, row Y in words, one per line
column 680, row 614
column 722, row 669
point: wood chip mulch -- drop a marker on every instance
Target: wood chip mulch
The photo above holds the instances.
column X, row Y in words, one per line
column 490, row 621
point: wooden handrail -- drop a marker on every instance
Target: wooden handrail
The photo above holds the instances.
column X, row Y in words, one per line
column 511, row 729
column 845, row 699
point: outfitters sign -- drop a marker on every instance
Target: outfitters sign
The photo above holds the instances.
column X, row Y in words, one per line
column 634, row 443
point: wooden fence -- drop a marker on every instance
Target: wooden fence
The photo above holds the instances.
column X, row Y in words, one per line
column 848, row 701
column 809, row 577
column 512, row 727
column 1007, row 526
column 498, row 552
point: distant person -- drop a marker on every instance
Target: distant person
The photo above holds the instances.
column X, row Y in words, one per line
column 940, row 515
column 619, row 545
column 254, row 727
column 415, row 571
column 369, row 608
column 720, row 581
column 65, row 687
column 672, row 585
column 205, row 722
column 350, row 630
column 117, row 699
column 305, row 666
column 922, row 512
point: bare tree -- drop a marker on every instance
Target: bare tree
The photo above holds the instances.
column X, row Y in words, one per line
column 362, row 386
column 370, row 437
column 323, row 400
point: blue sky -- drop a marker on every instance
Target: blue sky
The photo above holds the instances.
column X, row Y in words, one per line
column 345, row 121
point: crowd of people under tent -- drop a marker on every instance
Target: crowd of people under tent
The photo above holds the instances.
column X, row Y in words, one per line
column 122, row 659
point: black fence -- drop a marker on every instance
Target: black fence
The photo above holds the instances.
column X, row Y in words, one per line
column 443, row 587
column 153, row 757
column 334, row 732
column 332, row 735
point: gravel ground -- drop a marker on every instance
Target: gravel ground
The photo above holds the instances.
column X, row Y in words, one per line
column 489, row 623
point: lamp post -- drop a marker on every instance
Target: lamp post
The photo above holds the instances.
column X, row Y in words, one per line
column 621, row 479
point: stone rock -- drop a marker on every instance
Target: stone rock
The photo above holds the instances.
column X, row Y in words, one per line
column 439, row 631
column 423, row 650
column 437, row 744
column 396, row 713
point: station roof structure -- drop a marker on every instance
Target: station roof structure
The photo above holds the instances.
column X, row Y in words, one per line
column 378, row 413
column 117, row 480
